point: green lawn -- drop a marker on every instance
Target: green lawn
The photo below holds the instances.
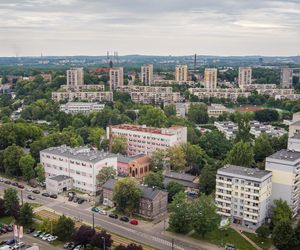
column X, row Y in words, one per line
column 220, row 238
column 35, row 205
column 6, row 220
column 267, row 243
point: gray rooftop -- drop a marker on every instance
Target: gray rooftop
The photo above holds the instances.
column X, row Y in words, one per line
column 243, row 171
column 79, row 153
column 296, row 136
column 297, row 123
column 126, row 159
column 286, row 155
column 60, row 178
column 179, row 176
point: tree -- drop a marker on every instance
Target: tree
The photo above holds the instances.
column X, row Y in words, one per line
column 77, row 123
column 262, row 148
column 83, row 235
column 280, row 212
column 65, row 228
column 297, row 236
column 119, row 145
column 10, row 199
column 154, row 179
column 40, row 172
column 263, row 231
column 243, row 121
column 158, row 160
column 11, row 158
column 126, row 195
column 194, row 155
column 170, row 110
column 174, row 188
column 266, row 115
column 205, row 217
column 106, row 173
column 241, row 155
column 153, row 117
column 207, row 179
column 26, row 164
column 180, row 214
column 177, row 158
column 48, row 225
column 198, row 113
column 98, row 240
column 2, row 208
column 283, row 235
column 26, row 215
column 133, row 246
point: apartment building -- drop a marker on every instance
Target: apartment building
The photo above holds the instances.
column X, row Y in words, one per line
column 210, row 78
column 147, row 74
column 82, row 164
column 75, row 77
column 245, row 76
column 228, row 128
column 116, row 78
column 232, row 94
column 243, row 195
column 254, row 87
column 173, row 82
column 294, row 128
column 286, row 78
column 215, row 110
column 90, row 87
column 144, row 140
column 181, row 73
column 82, row 96
column 81, row 107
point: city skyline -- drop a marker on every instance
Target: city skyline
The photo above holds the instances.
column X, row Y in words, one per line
column 77, row 27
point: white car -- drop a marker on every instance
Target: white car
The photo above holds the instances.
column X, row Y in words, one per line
column 103, row 212
column 79, row 247
column 46, row 236
column 28, row 189
column 19, row 245
column 52, row 238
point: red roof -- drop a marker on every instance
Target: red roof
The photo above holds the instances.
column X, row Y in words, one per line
column 249, row 109
column 102, row 70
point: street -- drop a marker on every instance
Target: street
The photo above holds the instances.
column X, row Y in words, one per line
column 146, row 235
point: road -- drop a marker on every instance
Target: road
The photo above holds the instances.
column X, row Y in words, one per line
column 141, row 234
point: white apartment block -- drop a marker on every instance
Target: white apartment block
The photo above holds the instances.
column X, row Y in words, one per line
column 181, row 73
column 90, row 87
column 215, row 110
column 81, row 164
column 245, row 76
column 286, row 78
column 81, row 107
column 253, row 87
column 173, row 82
column 82, row 96
column 210, row 78
column 232, row 94
column 243, row 195
column 116, row 78
column 147, row 74
column 145, row 140
column 75, row 77
column 228, row 128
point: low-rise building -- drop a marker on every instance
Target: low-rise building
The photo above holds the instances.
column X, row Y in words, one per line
column 144, row 140
column 82, row 96
column 173, row 82
column 243, row 195
column 81, row 107
column 190, row 182
column 228, row 128
column 215, row 110
column 153, row 203
column 58, row 184
column 232, row 94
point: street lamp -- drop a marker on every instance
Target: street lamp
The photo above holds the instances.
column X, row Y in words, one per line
column 103, row 238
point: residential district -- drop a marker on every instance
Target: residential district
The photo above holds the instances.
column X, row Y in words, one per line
column 161, row 157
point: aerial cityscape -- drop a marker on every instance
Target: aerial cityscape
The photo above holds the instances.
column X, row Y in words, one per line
column 144, row 125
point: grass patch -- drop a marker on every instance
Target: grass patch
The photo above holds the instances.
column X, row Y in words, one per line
column 221, row 237
column 267, row 243
column 6, row 220
column 35, row 205
column 56, row 243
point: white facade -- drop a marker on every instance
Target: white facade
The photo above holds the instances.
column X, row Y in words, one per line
column 231, row 94
column 145, row 140
column 82, row 164
column 116, row 78
column 75, row 77
column 286, row 78
column 181, row 73
column 245, row 76
column 243, row 195
column 215, row 110
column 210, row 78
column 58, row 184
column 90, row 96
column 81, row 107
column 147, row 74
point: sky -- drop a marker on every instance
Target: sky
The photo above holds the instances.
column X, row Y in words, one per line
column 149, row 27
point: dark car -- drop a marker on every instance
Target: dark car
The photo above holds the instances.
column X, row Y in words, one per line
column 36, row 191
column 10, row 242
column 46, row 194
column 70, row 198
column 3, row 230
column 75, row 199
column 15, row 184
column 80, row 201
column 33, row 185
column 53, row 196
column 125, row 219
column 9, row 228
column 114, row 216
column 69, row 245
column 30, row 230
column 21, row 186
column 7, row 182
column 31, row 197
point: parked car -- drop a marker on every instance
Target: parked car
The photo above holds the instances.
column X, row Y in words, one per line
column 70, row 198
column 75, row 199
column 3, row 230
column 42, row 234
column 46, row 194
column 9, row 228
column 33, row 185
column 19, row 245
column 53, row 196
column 28, row 190
column 2, row 242
column 10, row 242
column 31, row 197
column 71, row 193
column 1, row 180
column 230, row 246
column 7, row 182
column 134, row 222
column 30, row 230
column 21, row 186
column 80, row 201
column 124, row 218
column 15, row 184
column 114, row 216
column 95, row 209
column 36, row 233
column 103, row 212
column 69, row 245
column 36, row 191
column 79, row 247
column 52, row 238
column 46, row 236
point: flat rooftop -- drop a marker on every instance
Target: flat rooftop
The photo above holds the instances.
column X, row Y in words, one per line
column 243, row 171
column 286, row 155
column 143, row 128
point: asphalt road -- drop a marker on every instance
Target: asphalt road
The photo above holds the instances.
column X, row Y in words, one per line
column 137, row 233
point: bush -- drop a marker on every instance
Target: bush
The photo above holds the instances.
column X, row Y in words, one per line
column 263, row 231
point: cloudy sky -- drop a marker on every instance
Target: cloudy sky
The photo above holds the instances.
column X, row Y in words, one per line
column 154, row 27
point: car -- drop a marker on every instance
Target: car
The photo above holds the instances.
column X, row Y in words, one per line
column 53, row 196
column 46, row 236
column 75, row 199
column 42, row 234
column 30, row 230
column 78, row 247
column 95, row 209
column 45, row 194
column 134, row 222
column 3, row 230
column 114, row 216
column 36, row 233
column 19, row 245
column 15, row 184
column 10, row 242
column 52, row 238
column 28, row 189
column 9, row 228
column 124, row 218
column 36, row 191
column 230, row 246
column 21, row 186
column 80, row 201
column 31, row 197
column 70, row 198
column 2, row 242
column 71, row 193
column 1, row 180
column 7, row 182
column 69, row 245
column 103, row 212
column 33, row 185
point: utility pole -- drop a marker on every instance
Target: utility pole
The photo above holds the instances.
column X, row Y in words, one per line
column 93, row 221
column 172, row 244
column 22, row 197
column 103, row 238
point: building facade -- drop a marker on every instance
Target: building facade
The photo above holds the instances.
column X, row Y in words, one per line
column 145, row 140
column 81, row 164
column 245, row 76
column 75, row 77
column 147, row 74
column 181, row 73
column 116, row 78
column 232, row 94
column 94, row 96
column 286, row 78
column 59, row 184
column 81, row 107
column 243, row 195
column 210, row 78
